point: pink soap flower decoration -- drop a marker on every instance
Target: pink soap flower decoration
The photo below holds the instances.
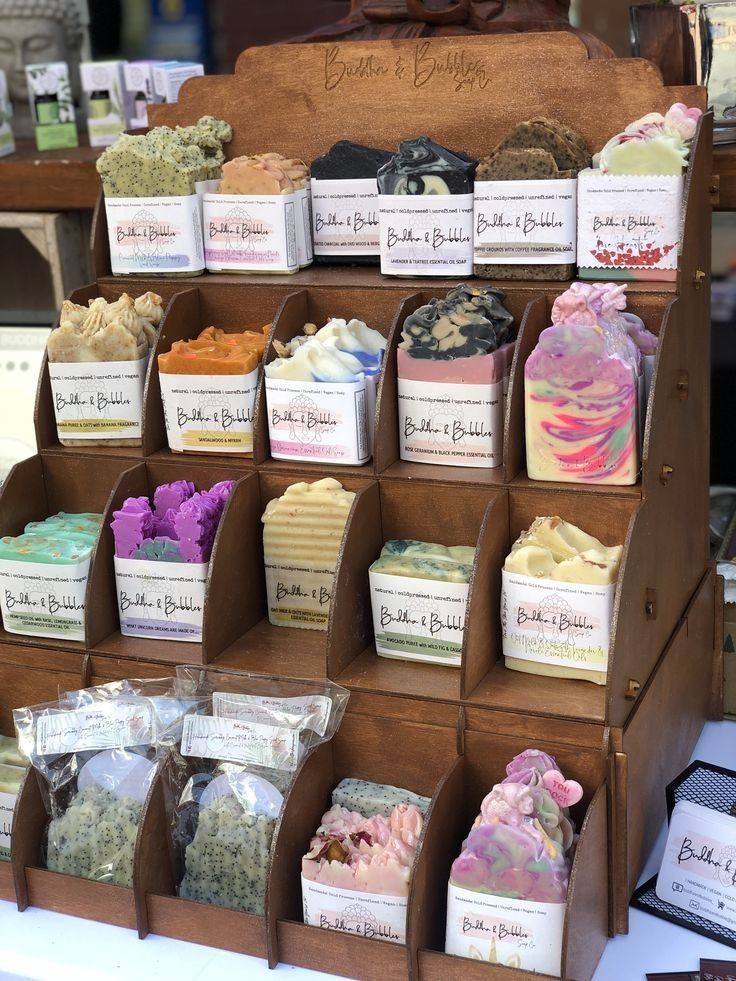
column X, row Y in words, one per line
column 683, row 120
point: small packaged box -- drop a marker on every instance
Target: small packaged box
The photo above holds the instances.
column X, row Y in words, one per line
column 52, row 105
column 7, row 141
column 169, row 76
column 138, row 78
column 107, row 100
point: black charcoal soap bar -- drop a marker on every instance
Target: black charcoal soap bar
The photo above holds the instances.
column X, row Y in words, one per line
column 467, row 322
column 422, row 166
column 345, row 221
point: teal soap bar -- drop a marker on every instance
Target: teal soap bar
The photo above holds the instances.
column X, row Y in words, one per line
column 409, row 546
column 59, row 549
column 425, row 560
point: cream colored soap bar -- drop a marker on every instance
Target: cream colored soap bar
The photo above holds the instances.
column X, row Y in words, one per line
column 302, row 534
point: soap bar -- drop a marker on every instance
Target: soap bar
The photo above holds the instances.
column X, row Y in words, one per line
column 302, row 534
column 255, row 175
column 655, row 144
column 226, row 863
column 367, row 798
column 215, row 352
column 352, row 337
column 422, row 166
column 424, row 560
column 316, row 362
column 95, row 837
column 469, row 321
column 11, row 777
column 345, row 161
column 10, row 754
column 58, row 540
column 412, row 547
column 567, row 148
column 563, row 540
column 103, row 331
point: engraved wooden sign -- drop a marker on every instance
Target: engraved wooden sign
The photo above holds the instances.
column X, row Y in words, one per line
column 465, row 92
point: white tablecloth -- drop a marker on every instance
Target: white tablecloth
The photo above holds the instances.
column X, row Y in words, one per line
column 51, row 947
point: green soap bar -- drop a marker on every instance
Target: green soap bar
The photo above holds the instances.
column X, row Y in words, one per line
column 131, row 168
column 10, row 755
column 88, row 524
column 409, row 546
column 54, row 549
column 11, row 777
column 422, row 568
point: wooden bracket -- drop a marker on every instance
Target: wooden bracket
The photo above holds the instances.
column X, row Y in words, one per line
column 700, row 275
column 650, row 603
column 665, row 472
column 683, row 386
column 633, row 688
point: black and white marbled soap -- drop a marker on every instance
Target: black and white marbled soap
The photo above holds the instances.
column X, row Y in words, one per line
column 346, row 213
column 422, row 166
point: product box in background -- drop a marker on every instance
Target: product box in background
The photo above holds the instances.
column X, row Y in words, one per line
column 52, row 105
column 7, row 141
column 169, row 76
column 138, row 79
column 108, row 104
column 629, row 228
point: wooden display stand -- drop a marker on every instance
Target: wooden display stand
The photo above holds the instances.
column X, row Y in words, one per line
column 439, row 731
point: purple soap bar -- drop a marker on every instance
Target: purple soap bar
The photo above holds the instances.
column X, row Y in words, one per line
column 133, row 523
column 171, row 496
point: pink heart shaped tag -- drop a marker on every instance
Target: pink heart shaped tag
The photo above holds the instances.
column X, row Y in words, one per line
column 563, row 792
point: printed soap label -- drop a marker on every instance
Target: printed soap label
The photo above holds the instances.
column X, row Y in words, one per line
column 418, row 619
column 628, row 222
column 240, row 741
column 311, row 711
column 451, row 424
column 508, row 932
column 303, row 217
column 155, row 235
column 562, row 623
column 345, row 217
column 525, row 222
column 99, row 400
column 319, row 420
column 42, row 599
column 107, row 725
column 299, row 595
column 248, row 232
column 426, row 234
column 209, row 413
column 698, row 871
column 365, row 914
column 7, row 806
column 163, row 600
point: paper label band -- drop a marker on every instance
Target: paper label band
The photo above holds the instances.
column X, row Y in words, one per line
column 7, row 806
column 164, row 600
column 299, row 595
column 365, row 914
column 155, row 235
column 522, row 222
column 209, row 413
column 345, row 217
column 99, row 400
column 249, row 232
column 426, row 234
column 107, row 725
column 43, row 599
column 240, row 741
column 314, row 710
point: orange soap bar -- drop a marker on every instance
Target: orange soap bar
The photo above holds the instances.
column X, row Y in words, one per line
column 215, row 352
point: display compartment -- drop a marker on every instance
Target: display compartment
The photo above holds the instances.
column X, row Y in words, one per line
column 44, row 417
column 431, row 513
column 361, row 749
column 655, row 744
column 187, row 315
column 31, row 677
column 234, row 573
column 530, row 318
column 586, row 918
column 42, row 486
column 292, row 651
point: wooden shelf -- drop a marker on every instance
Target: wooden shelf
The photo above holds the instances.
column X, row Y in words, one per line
column 52, row 180
column 369, row 672
column 288, row 651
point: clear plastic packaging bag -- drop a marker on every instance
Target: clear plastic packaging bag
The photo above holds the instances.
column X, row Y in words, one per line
column 226, row 781
column 95, row 753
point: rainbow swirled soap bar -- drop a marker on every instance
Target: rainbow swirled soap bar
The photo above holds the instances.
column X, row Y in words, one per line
column 581, row 393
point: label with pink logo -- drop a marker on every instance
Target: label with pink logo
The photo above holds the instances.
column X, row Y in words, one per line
column 251, row 232
column 451, row 424
column 507, row 932
column 155, row 235
column 365, row 914
column 562, row 623
column 320, row 420
column 698, row 871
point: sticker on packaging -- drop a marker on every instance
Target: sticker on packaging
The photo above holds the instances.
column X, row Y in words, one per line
column 366, row 914
column 43, row 599
column 209, row 413
column 520, row 222
column 322, row 421
column 99, row 400
column 305, row 254
column 345, row 217
column 240, row 742
column 426, row 234
column 628, row 222
column 562, row 623
column 163, row 600
column 418, row 619
column 508, row 932
column 106, row 725
column 698, row 871
column 7, row 806
column 451, row 424
column 312, row 711
column 155, row 235
column 299, row 595
column 250, row 232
